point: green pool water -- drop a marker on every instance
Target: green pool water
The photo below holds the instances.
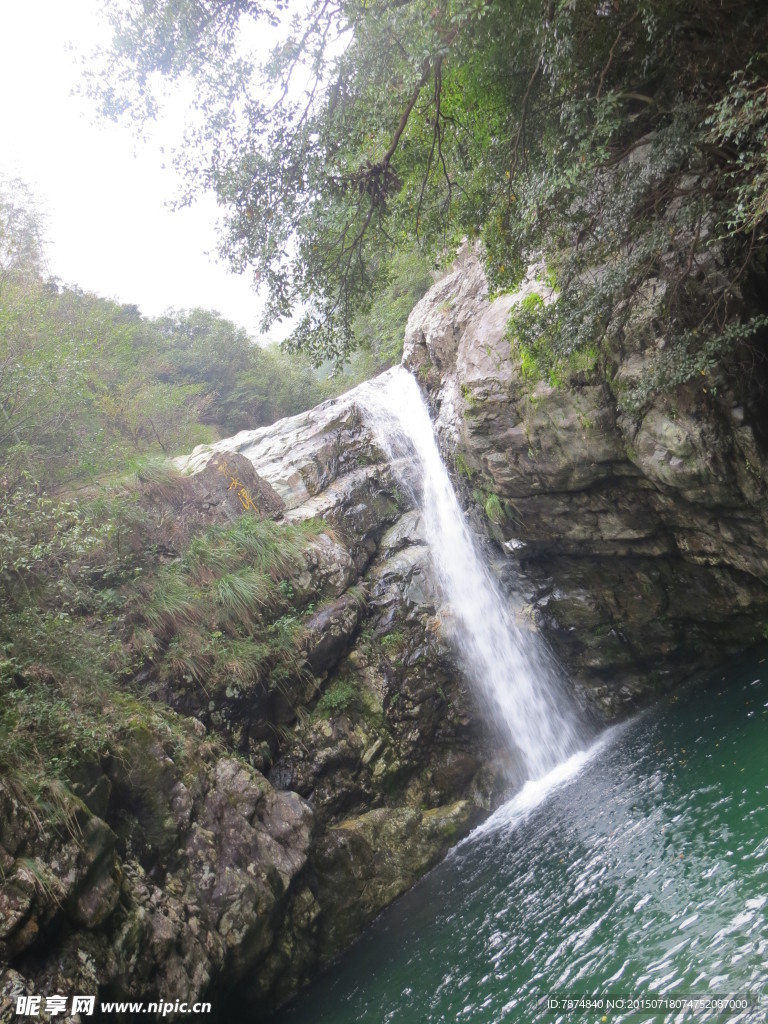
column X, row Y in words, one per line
column 644, row 875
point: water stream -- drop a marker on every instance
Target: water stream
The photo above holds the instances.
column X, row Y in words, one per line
column 509, row 666
column 629, row 873
column 637, row 871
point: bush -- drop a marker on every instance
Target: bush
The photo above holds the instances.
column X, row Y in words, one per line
column 341, row 698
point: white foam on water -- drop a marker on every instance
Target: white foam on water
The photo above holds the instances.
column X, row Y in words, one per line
column 536, row 791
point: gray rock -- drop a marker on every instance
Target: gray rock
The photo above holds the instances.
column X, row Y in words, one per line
column 669, row 512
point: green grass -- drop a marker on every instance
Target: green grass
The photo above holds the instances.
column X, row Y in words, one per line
column 462, row 468
column 171, row 605
column 341, row 698
column 87, row 604
column 243, row 594
column 243, row 659
column 186, row 658
column 393, row 643
column 234, row 607
column 494, row 509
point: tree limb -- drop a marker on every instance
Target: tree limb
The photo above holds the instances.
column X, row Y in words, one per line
column 520, row 137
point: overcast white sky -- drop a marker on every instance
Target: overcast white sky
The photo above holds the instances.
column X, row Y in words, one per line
column 104, row 193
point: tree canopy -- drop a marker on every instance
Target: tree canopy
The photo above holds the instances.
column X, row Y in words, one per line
column 377, row 123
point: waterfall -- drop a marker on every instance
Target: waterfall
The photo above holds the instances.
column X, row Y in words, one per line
column 510, row 667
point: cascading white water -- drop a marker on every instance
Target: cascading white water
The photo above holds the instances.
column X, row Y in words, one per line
column 509, row 665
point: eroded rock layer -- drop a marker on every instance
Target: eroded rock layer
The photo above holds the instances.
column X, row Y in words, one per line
column 230, row 855
column 641, row 538
column 244, row 834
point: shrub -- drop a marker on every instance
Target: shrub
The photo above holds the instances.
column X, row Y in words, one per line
column 339, row 699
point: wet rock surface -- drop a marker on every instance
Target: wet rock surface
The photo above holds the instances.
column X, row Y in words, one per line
column 641, row 540
column 231, row 863
column 231, row 858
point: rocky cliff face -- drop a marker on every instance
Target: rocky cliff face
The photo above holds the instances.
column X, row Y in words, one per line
column 391, row 753
column 229, row 846
column 228, row 849
column 641, row 538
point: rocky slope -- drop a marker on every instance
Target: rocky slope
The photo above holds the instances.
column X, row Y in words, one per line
column 226, row 850
column 243, row 833
column 641, row 538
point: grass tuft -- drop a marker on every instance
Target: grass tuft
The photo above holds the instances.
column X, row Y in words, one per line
column 241, row 595
column 171, row 605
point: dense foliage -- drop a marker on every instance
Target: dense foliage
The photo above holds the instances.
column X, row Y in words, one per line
column 106, row 578
column 619, row 145
column 99, row 608
column 87, row 384
column 622, row 141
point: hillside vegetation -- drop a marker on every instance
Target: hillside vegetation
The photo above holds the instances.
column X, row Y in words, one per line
column 619, row 142
column 108, row 570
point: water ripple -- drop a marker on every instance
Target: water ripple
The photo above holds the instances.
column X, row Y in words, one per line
column 639, row 867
